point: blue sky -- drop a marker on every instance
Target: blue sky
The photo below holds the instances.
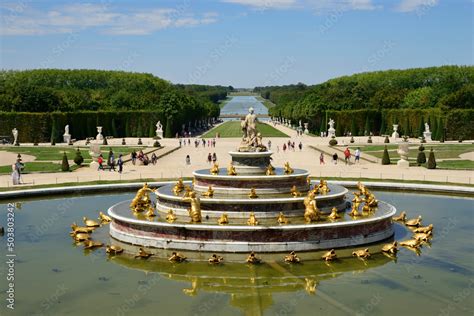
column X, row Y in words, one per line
column 244, row 43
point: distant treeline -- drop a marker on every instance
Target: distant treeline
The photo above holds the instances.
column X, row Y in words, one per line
column 373, row 101
column 91, row 93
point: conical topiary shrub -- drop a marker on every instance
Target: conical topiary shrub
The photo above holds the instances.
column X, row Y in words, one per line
column 333, row 141
column 123, row 142
column 369, row 140
column 78, row 160
column 386, row 140
column 65, row 163
column 352, row 140
column 104, row 142
column 431, row 160
column 385, row 157
column 421, row 158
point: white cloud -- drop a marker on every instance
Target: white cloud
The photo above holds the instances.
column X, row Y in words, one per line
column 341, row 5
column 414, row 5
column 76, row 17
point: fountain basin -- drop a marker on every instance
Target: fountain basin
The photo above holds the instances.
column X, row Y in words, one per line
column 239, row 238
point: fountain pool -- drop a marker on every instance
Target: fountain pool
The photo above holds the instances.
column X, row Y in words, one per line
column 53, row 276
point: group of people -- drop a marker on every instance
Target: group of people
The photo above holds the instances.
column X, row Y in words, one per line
column 290, row 146
column 143, row 158
column 17, row 168
column 212, row 158
column 111, row 163
column 197, row 142
column 347, row 157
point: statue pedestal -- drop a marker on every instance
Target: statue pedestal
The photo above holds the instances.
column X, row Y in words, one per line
column 159, row 134
column 331, row 132
column 403, row 164
column 94, row 165
column 395, row 135
column 67, row 138
column 247, row 163
column 427, row 136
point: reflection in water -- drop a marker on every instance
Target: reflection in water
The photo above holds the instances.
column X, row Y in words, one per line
column 240, row 105
column 251, row 286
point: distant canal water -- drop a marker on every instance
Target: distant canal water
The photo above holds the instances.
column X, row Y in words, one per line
column 240, row 105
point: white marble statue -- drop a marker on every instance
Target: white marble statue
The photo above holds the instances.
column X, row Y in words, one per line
column 99, row 133
column 15, row 136
column 306, row 131
column 427, row 133
column 403, row 152
column 331, row 130
column 249, row 126
column 159, row 130
column 395, row 134
column 66, row 135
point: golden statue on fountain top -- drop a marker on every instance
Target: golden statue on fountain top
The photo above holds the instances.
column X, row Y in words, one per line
column 287, row 169
column 142, row 201
column 323, row 186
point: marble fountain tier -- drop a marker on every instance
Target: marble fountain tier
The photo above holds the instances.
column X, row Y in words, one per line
column 231, row 197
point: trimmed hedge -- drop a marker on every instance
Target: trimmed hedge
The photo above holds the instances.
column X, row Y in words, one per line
column 49, row 127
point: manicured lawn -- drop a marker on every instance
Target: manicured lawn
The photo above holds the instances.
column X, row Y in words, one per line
column 442, row 151
column 269, row 104
column 37, row 167
column 233, row 129
column 55, row 153
column 455, row 164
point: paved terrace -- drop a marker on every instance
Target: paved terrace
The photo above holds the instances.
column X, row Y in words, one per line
column 173, row 165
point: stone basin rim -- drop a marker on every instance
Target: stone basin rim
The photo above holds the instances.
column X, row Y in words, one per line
column 249, row 177
column 256, row 200
column 391, row 212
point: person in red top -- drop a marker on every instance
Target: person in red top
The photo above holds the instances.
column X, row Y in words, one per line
column 347, row 155
column 100, row 161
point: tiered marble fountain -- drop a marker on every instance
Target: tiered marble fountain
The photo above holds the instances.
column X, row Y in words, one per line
column 247, row 192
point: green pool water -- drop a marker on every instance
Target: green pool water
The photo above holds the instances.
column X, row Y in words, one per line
column 53, row 276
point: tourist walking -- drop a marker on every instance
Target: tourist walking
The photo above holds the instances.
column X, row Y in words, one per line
column 154, row 159
column 321, row 159
column 334, row 158
column 134, row 156
column 100, row 161
column 357, row 155
column 111, row 161
column 214, row 157
column 16, row 174
column 188, row 160
column 347, row 156
column 209, row 158
column 269, row 144
column 120, row 163
column 300, row 146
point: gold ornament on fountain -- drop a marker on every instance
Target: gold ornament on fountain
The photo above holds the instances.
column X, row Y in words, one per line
column 411, row 243
column 270, row 170
column 391, row 248
column 231, row 169
column 400, row 218
column 334, row 214
column 90, row 244
column 292, row 258
column 81, row 236
column 113, row 249
column 308, row 180
column 179, row 186
column 142, row 201
column 104, row 218
column 361, row 253
column 311, row 212
column 330, row 255
column 150, row 212
column 354, row 211
column 215, row 259
column 253, row 194
column 90, row 222
column 223, row 220
column 423, row 237
column 143, row 254
column 424, row 229
column 294, row 191
column 362, row 188
column 323, row 187
column 209, row 193
column 252, row 258
column 282, row 219
column 252, row 221
column 195, row 210
column 176, row 257
column 214, row 169
column 357, row 199
column 370, row 200
column 414, row 222
column 81, row 229
column 187, row 191
column 287, row 169
column 170, row 217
